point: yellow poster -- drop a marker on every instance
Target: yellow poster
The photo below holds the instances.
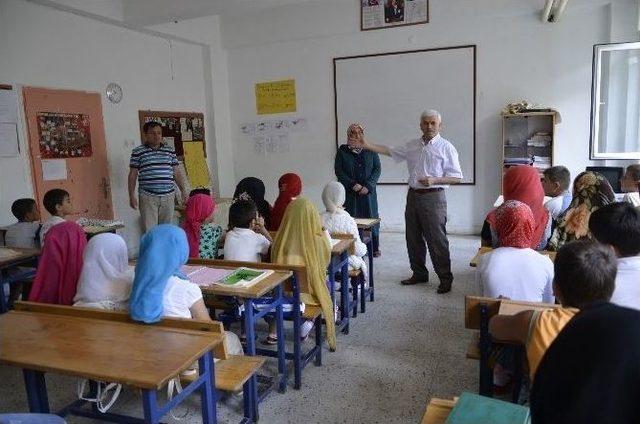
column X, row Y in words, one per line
column 196, row 164
column 276, row 97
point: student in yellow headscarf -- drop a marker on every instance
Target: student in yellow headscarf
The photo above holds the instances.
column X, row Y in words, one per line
column 302, row 241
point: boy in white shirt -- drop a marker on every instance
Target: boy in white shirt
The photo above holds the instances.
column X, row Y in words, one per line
column 248, row 239
column 556, row 181
column 618, row 225
column 58, row 203
column 630, row 182
column 24, row 233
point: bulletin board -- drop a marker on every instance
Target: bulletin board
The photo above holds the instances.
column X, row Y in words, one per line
column 177, row 127
column 387, row 92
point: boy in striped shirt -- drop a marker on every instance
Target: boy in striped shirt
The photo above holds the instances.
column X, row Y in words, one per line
column 154, row 166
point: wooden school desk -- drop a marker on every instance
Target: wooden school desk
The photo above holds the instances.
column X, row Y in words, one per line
column 297, row 283
column 478, row 312
column 143, row 356
column 486, row 249
column 94, row 230
column 365, row 226
column 7, row 260
column 340, row 261
column 248, row 295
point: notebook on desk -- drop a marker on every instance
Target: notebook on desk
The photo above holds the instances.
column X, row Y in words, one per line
column 473, row 409
column 204, row 276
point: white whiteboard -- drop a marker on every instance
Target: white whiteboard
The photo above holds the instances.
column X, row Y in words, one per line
column 388, row 92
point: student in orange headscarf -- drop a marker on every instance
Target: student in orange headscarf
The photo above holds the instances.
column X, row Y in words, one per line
column 522, row 183
column 290, row 186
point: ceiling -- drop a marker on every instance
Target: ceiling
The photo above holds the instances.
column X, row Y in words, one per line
column 150, row 12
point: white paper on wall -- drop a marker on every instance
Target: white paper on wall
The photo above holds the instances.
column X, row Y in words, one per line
column 9, row 146
column 54, row 169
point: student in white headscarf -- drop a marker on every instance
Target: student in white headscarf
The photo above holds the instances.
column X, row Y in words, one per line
column 338, row 220
column 106, row 277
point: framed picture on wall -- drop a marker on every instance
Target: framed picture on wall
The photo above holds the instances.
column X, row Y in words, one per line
column 177, row 127
column 379, row 14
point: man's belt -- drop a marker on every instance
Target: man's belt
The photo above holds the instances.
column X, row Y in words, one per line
column 426, row 190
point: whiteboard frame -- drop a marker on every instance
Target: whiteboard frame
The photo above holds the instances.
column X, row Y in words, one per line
column 473, row 48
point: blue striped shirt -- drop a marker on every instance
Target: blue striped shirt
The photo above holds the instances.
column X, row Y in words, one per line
column 155, row 169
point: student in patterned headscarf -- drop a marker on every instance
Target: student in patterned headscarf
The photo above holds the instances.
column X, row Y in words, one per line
column 591, row 191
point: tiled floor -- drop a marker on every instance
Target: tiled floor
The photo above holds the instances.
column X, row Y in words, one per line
column 408, row 347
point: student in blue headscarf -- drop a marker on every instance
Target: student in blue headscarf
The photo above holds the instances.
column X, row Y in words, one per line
column 160, row 289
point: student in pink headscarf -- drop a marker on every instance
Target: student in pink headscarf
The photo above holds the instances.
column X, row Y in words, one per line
column 60, row 265
column 202, row 234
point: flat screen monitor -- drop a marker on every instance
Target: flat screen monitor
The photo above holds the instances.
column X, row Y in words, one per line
column 613, row 174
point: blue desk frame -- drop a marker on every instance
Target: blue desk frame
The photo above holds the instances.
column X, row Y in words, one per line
column 368, row 240
column 4, row 304
column 300, row 360
column 340, row 262
column 39, row 403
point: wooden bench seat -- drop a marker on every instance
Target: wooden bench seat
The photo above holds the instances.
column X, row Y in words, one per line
column 231, row 371
column 353, row 273
column 473, row 350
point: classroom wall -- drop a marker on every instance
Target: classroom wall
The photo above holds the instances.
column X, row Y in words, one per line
column 43, row 47
column 518, row 57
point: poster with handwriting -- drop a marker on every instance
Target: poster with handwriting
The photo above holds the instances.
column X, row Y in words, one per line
column 276, row 97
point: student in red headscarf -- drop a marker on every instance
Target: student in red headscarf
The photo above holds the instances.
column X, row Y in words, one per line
column 514, row 270
column 522, row 183
column 290, row 186
column 202, row 234
column 59, row 265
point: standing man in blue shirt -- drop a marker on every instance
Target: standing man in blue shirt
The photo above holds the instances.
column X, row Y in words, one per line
column 155, row 167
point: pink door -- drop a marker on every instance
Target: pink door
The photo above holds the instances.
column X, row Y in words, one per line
column 66, row 131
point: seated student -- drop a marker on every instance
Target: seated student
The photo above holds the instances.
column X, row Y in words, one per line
column 248, row 239
column 106, row 277
column 630, row 182
column 618, row 225
column 522, row 183
column 200, row 191
column 591, row 372
column 59, row 265
column 203, row 235
column 591, row 191
column 301, row 240
column 159, row 287
column 289, row 186
column 555, row 183
column 24, row 233
column 338, row 220
column 514, row 270
column 252, row 188
column 585, row 272
column 58, row 203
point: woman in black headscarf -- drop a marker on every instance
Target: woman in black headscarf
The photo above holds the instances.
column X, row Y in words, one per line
column 252, row 188
column 591, row 372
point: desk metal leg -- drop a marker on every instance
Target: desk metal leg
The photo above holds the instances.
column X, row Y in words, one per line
column 297, row 322
column 36, row 391
column 251, row 407
column 332, row 282
column 282, row 369
column 344, row 294
column 150, row 406
column 207, row 392
column 370, row 254
column 486, row 374
column 4, row 304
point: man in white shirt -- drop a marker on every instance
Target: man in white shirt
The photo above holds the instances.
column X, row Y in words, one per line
column 618, row 225
column 433, row 164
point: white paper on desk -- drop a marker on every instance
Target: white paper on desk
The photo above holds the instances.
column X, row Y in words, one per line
column 9, row 140
column 8, row 106
column 54, row 169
